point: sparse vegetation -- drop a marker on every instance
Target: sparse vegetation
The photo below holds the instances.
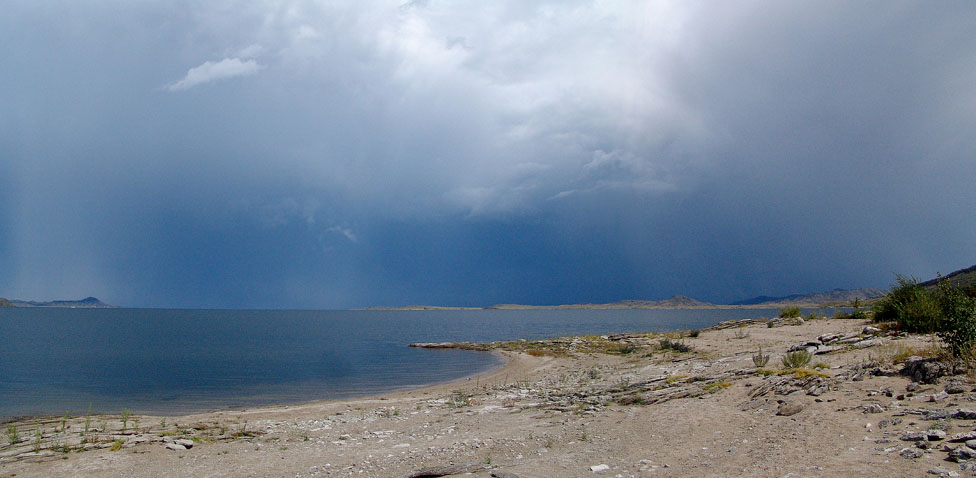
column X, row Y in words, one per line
column 694, row 333
column 676, row 345
column 796, row 359
column 38, row 436
column 459, row 399
column 760, row 359
column 13, row 436
column 790, row 312
column 717, row 386
column 740, row 334
column 124, row 418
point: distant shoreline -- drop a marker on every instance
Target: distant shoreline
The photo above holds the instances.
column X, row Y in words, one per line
column 771, row 305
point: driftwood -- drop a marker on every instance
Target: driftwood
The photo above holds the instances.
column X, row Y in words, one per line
column 448, row 470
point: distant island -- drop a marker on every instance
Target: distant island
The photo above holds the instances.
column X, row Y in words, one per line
column 834, row 298
column 88, row 303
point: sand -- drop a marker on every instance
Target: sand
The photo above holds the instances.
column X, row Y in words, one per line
column 545, row 416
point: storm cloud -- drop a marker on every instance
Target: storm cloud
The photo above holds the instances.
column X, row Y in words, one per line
column 346, row 154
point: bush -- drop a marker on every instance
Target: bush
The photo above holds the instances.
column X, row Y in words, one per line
column 668, row 344
column 760, row 360
column 796, row 359
column 958, row 326
column 791, row 312
column 911, row 306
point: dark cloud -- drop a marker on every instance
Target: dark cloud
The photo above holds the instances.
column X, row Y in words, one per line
column 305, row 155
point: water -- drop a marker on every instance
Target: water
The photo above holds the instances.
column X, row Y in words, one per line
column 156, row 361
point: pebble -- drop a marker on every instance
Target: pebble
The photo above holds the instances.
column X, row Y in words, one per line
column 599, row 468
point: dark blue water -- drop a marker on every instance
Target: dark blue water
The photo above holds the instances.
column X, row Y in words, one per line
column 177, row 361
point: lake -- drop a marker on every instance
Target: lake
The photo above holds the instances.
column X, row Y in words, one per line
column 156, row 361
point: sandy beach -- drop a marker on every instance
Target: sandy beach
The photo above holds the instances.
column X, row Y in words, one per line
column 619, row 406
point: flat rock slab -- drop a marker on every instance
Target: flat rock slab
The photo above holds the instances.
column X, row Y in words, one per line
column 448, row 470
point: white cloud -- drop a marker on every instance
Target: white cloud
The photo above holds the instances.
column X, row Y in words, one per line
column 210, row 71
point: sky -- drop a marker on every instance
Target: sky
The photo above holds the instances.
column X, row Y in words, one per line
column 312, row 154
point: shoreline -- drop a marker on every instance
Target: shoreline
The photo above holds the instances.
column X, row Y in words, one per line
column 633, row 405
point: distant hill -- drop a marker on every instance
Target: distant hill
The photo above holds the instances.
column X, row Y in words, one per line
column 836, row 296
column 961, row 278
column 676, row 301
column 5, row 303
column 89, row 302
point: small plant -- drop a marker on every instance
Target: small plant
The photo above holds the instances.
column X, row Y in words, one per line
column 717, row 386
column 740, row 334
column 790, row 312
column 116, row 445
column 37, row 438
column 126, row 415
column 694, row 333
column 760, row 360
column 623, row 349
column 677, row 346
column 796, row 359
column 459, row 399
column 12, row 435
column 820, row 366
column 241, row 428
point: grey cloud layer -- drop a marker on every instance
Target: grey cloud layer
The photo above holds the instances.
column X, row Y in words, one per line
column 183, row 154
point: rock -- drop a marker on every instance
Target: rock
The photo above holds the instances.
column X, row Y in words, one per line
column 933, row 434
column 911, row 452
column 942, row 472
column 971, row 444
column 938, row 397
column 599, row 468
column 174, row 446
column 964, row 414
column 913, row 436
column 826, row 349
column 186, row 443
column 868, row 330
column 849, row 339
column 868, row 343
column 448, row 470
column 503, row 474
column 788, row 408
column 963, row 453
column 963, row 437
column 955, row 387
column 925, row 370
column 873, row 408
column 828, row 338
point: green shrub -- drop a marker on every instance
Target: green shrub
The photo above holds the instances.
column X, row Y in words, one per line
column 796, row 359
column 911, row 306
column 958, row 326
column 790, row 312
